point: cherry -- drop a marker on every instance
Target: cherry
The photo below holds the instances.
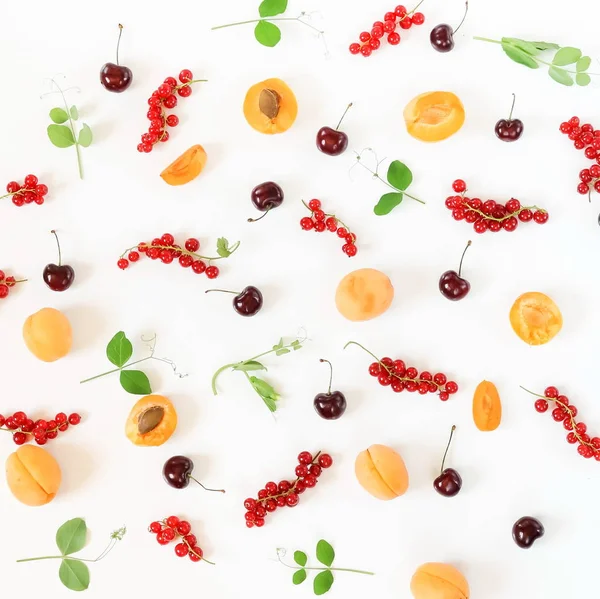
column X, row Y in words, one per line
column 449, row 482
column 442, row 36
column 509, row 129
column 452, row 285
column 265, row 197
column 115, row 77
column 526, row 531
column 330, row 405
column 332, row 141
column 177, row 473
column 59, row 277
column 247, row 302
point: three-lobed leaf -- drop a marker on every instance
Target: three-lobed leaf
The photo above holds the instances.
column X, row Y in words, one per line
column 59, row 116
column 135, row 382
column 560, row 76
column 322, row 582
column 519, row 55
column 566, row 55
column 61, row 136
column 299, row 576
column 300, row 558
column 85, row 136
column 267, row 34
column 387, row 202
column 71, row 536
column 119, row 349
column 325, row 553
column 399, row 175
column 74, row 574
column 583, row 64
column 223, row 248
column 272, row 8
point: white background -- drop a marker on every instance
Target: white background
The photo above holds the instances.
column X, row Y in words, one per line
column 524, row 468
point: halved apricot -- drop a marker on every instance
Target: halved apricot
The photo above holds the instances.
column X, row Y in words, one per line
column 152, row 421
column 487, row 407
column 535, row 318
column 434, row 116
column 270, row 107
column 186, row 168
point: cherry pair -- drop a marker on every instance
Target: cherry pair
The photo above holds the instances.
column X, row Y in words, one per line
column 320, row 221
column 6, row 283
column 174, row 529
column 30, row 192
column 24, row 429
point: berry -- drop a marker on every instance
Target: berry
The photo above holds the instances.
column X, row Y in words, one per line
column 314, row 205
column 198, row 267
column 185, row 76
column 366, row 50
column 13, row 187
column 167, row 239
column 181, row 549
column 133, row 256
column 305, row 458
column 451, row 387
column 212, row 272
column 444, row 396
column 541, row 405
column 540, row 217
column 184, row 528
column 406, row 23
column 19, row 438
column 30, row 181
column 525, row 215
column 365, row 36
column 583, row 188
column 168, row 534
column 400, row 10
column 307, row 223
column 376, row 34
column 418, row 18
column 172, row 521
column 185, row 92
column 388, row 27
column 192, row 244
column 123, row 264
column 551, row 392
column 394, row 38
column 155, row 527
column 354, row 48
column 196, row 554
column 459, row 186
column 325, row 460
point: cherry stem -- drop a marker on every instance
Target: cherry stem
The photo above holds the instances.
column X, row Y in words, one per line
column 345, row 112
column 255, row 220
column 447, row 447
column 222, row 291
column 464, row 17
column 512, row 107
column 330, row 374
column 119, row 41
column 58, row 244
column 206, row 488
column 463, row 257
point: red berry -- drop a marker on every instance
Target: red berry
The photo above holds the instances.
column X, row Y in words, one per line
column 19, row 438
column 411, row 372
column 192, row 244
column 195, row 554
column 418, row 18
column 451, row 387
column 301, row 470
column 406, row 23
column 365, row 36
column 155, row 527
column 41, row 189
column 583, row 188
column 541, row 405
column 307, row 223
column 184, row 528
column 185, row 76
column 551, row 392
column 318, row 214
column 74, row 419
column 354, row 48
column 13, row 187
column 185, row 91
column 305, row 457
column 341, row 233
column 122, row 263
column 376, row 33
column 400, row 10
column 212, row 272
column 172, row 120
column 540, row 217
column 198, row 267
column 444, row 396
column 375, row 44
column 320, row 226
column 314, row 204
column 366, row 50
column 331, row 224
column 375, row 369
column 172, row 521
column 350, row 250
column 389, row 26
column 250, row 503
column 30, row 181
column 459, row 186
column 525, row 215
column 394, row 38
column 325, row 460
column 181, row 549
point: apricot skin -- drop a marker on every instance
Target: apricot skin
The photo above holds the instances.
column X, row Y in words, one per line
column 364, row 294
column 381, row 472
column 33, row 475
column 439, row 581
column 162, row 432
column 288, row 108
column 434, row 116
column 487, row 407
column 535, row 318
column 186, row 168
column 47, row 335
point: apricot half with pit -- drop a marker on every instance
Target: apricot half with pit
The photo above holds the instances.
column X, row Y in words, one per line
column 535, row 318
column 151, row 422
column 434, row 116
column 381, row 472
column 270, row 107
column 186, row 168
column 33, row 475
column 47, row 335
column 364, row 294
column 439, row 581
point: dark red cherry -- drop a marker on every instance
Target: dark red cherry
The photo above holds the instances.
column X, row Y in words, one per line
column 115, row 77
column 265, row 197
column 333, row 142
column 449, row 482
column 442, row 36
column 509, row 129
column 59, row 277
column 177, row 473
column 247, row 302
column 452, row 285
column 330, row 405
column 526, row 531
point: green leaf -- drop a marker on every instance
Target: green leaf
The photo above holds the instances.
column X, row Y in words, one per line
column 566, row 56
column 267, row 34
column 399, row 175
column 59, row 116
column 527, row 47
column 119, row 349
column 519, row 56
column 249, row 366
column 223, row 248
column 299, row 576
column 325, row 553
column 272, row 8
column 74, row 112
column 71, row 536
column 541, row 46
column 296, row 345
column 387, row 202
column 282, row 351
column 279, row 345
column 74, row 574
column 583, row 64
column 560, row 75
column 322, row 582
column 300, row 558
column 85, row 136
column 263, row 388
column 583, row 79
column 135, row 382
column 61, row 136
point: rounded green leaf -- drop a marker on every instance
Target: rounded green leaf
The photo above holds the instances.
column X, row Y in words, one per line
column 583, row 79
column 387, row 202
column 71, row 536
column 58, row 116
column 60, row 136
column 325, row 553
column 322, row 582
column 74, row 574
column 583, row 64
column 399, row 175
column 300, row 558
column 561, row 76
column 271, row 8
column 119, row 349
column 299, row 576
column 85, row 136
column 527, row 47
column 566, row 56
column 135, row 382
column 519, row 56
column 74, row 112
column 267, row 34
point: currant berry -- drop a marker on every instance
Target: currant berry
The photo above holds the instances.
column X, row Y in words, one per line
column 459, row 186
column 354, row 48
column 212, row 272
column 122, row 263
column 394, row 38
column 541, row 405
column 325, row 460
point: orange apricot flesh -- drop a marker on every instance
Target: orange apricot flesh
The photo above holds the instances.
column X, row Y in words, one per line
column 434, row 116
column 270, row 107
column 186, row 168
column 487, row 407
column 151, row 422
column 535, row 318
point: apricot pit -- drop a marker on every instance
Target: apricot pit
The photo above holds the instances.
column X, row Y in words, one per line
column 381, row 472
column 187, row 167
column 434, row 116
column 270, row 107
column 535, row 318
column 151, row 422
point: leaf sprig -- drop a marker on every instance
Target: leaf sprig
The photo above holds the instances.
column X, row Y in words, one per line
column 528, row 54
column 324, row 579
column 119, row 351
column 71, row 538
column 264, row 390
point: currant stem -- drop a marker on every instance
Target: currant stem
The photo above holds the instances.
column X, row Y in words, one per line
column 464, row 16
column 345, row 112
column 119, row 41
column 447, row 447
column 463, row 257
column 512, row 107
column 58, row 244
column 232, row 249
column 363, row 348
column 330, row 374
column 206, row 488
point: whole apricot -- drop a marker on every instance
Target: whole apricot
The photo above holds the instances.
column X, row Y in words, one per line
column 186, row 168
column 535, row 318
column 47, row 334
column 434, row 116
column 364, row 294
column 270, row 107
column 439, row 581
column 487, row 407
column 381, row 472
column 33, row 475
column 151, row 422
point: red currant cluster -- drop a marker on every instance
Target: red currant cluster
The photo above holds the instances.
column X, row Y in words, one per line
column 30, row 192
column 489, row 215
column 399, row 17
column 565, row 412
column 286, row 493
column 162, row 98
column 6, row 283
column 173, row 529
column 395, row 374
column 320, row 221
column 165, row 249
column 24, row 429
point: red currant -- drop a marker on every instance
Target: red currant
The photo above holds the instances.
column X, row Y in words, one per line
column 122, row 263
column 212, row 272
column 394, row 38
column 325, row 460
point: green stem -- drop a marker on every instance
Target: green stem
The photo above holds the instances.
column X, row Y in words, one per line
column 364, row 348
column 106, row 551
column 376, row 176
column 487, row 39
column 299, row 19
column 79, row 166
column 218, row 373
column 92, row 378
column 323, row 569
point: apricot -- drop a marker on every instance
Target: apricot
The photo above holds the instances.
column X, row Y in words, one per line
column 186, row 168
column 47, row 334
column 364, row 294
column 381, row 472
column 270, row 107
column 439, row 581
column 33, row 475
column 151, row 422
column 535, row 318
column 487, row 407
column 434, row 116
